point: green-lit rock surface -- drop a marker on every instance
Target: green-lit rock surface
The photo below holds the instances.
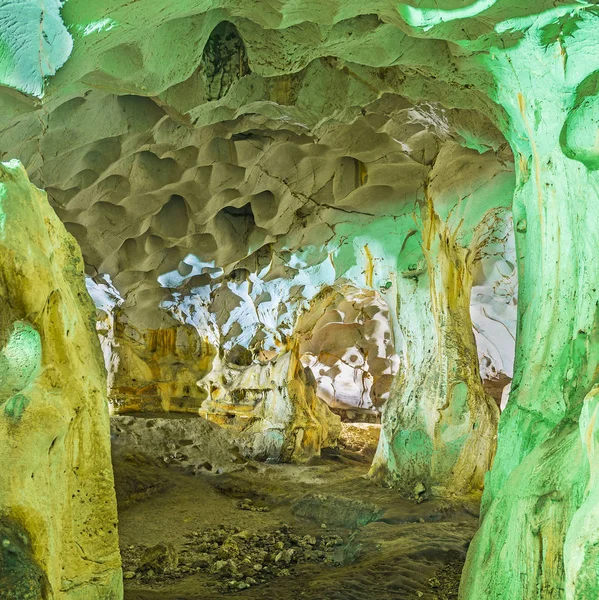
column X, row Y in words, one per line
column 228, row 161
column 541, row 473
column 439, row 424
column 256, row 159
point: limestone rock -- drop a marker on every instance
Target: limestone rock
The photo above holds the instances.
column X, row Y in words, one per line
column 21, row 578
column 347, row 342
column 541, row 489
column 306, row 161
column 161, row 558
column 439, row 426
column 157, row 369
column 191, row 444
column 59, row 529
column 272, row 407
column 35, row 43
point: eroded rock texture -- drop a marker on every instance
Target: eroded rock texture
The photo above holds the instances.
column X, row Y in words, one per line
column 541, row 482
column 273, row 406
column 158, row 369
column 347, row 342
column 227, row 164
column 262, row 159
column 439, row 425
column 58, row 522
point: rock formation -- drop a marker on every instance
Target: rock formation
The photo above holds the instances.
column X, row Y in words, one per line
column 158, row 369
column 439, row 424
column 346, row 340
column 231, row 218
column 541, row 477
column 272, row 406
column 58, row 522
column 225, row 167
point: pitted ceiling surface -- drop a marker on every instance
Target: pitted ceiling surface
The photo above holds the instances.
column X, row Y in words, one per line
column 182, row 143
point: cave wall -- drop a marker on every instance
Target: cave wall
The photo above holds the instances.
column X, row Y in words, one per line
column 358, row 100
column 439, row 426
column 58, row 520
column 229, row 217
column 541, row 477
column 346, row 340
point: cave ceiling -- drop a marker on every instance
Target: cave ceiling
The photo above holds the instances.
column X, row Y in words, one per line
column 276, row 198
column 224, row 156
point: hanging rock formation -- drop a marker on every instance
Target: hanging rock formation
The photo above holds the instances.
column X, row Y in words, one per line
column 58, row 522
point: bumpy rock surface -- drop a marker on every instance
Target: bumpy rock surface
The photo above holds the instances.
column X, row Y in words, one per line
column 263, row 158
column 439, row 425
column 281, row 143
column 347, row 342
column 276, row 144
column 58, row 523
column 273, row 407
column 190, row 444
column 157, row 369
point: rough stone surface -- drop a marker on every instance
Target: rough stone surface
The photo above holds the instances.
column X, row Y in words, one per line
column 262, row 159
column 58, row 522
column 347, row 343
column 541, row 483
column 439, row 424
column 289, row 147
column 273, row 407
column 336, row 510
column 157, row 369
column 190, row 444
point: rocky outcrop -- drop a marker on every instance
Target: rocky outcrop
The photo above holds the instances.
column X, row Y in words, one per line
column 295, row 145
column 266, row 399
column 263, row 159
column 191, row 445
column 272, row 407
column 58, row 521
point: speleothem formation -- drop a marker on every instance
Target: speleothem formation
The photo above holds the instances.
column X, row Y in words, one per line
column 59, row 521
column 297, row 218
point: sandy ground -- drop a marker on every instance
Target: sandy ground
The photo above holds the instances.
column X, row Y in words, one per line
column 408, row 551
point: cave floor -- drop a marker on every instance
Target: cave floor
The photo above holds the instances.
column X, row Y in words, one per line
column 406, row 551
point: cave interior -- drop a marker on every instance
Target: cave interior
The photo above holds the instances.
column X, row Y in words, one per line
column 299, row 299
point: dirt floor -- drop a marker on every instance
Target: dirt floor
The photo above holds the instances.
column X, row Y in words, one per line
column 270, row 531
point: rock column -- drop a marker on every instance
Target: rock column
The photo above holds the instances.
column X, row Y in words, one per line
column 532, row 543
column 58, row 518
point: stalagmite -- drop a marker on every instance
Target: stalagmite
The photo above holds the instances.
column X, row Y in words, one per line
column 58, row 521
column 439, row 426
